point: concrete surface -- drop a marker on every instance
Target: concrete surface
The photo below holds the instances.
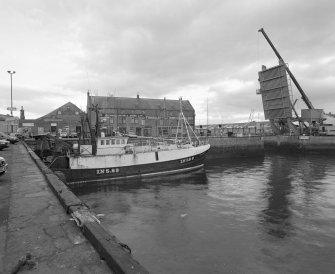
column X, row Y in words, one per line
column 115, row 253
column 32, row 220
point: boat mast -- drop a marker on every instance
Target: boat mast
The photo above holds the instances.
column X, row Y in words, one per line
column 97, row 129
column 185, row 123
column 207, row 116
column 182, row 120
column 177, row 131
column 179, row 121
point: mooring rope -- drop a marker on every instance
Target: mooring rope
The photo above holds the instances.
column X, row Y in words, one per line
column 24, row 261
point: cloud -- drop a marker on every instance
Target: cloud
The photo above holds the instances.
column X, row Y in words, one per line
column 194, row 49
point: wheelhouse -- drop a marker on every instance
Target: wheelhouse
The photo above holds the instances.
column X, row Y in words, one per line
column 106, row 142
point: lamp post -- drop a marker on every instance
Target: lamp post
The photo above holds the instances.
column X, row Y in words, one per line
column 11, row 91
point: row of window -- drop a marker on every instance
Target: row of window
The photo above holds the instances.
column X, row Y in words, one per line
column 122, row 119
column 109, row 142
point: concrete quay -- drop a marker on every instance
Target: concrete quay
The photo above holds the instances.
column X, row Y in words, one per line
column 38, row 235
column 231, row 147
column 300, row 144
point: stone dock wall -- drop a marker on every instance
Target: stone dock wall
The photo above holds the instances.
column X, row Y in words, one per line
column 227, row 147
column 300, row 144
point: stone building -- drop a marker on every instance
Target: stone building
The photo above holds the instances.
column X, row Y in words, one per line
column 8, row 124
column 138, row 116
column 66, row 118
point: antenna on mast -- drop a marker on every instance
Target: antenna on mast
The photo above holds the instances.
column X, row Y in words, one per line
column 207, row 114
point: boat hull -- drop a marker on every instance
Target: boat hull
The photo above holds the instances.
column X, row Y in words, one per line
column 190, row 162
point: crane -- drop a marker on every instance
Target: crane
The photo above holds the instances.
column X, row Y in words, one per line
column 304, row 96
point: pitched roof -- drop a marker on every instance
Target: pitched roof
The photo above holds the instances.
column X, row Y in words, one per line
column 139, row 103
column 4, row 117
column 65, row 106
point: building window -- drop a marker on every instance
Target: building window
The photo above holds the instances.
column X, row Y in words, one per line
column 163, row 131
column 122, row 119
column 53, row 129
column 138, row 131
column 102, row 142
column 59, row 112
column 147, row 132
column 107, row 142
column 122, row 130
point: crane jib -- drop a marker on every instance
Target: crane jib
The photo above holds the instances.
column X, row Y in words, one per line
column 303, row 95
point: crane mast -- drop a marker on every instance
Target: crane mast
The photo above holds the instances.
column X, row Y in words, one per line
column 304, row 96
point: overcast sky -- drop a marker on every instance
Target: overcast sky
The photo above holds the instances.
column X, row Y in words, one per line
column 205, row 51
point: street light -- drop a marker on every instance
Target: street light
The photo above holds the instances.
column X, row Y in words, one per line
column 11, row 91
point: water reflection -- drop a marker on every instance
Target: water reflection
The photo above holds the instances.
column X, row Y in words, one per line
column 227, row 217
column 131, row 185
column 276, row 216
column 290, row 176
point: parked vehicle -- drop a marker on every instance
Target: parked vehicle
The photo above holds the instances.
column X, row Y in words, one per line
column 73, row 135
column 11, row 139
column 3, row 166
column 3, row 144
column 63, row 134
column 14, row 136
column 23, row 133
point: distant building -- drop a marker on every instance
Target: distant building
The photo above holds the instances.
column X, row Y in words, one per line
column 235, row 129
column 8, row 124
column 138, row 116
column 66, row 118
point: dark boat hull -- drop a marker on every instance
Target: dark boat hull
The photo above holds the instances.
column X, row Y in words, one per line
column 153, row 169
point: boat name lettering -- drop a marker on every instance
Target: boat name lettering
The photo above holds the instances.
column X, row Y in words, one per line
column 189, row 159
column 107, row 170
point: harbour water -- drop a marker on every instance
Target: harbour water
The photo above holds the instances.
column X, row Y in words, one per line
column 272, row 214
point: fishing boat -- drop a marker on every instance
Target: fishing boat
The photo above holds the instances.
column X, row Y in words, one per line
column 117, row 157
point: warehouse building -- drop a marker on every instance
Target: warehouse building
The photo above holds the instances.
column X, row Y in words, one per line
column 137, row 116
column 65, row 119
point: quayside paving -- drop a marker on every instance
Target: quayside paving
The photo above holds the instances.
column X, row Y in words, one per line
column 38, row 233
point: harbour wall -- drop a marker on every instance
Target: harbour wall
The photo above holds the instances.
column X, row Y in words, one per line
column 228, row 147
column 301, row 144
